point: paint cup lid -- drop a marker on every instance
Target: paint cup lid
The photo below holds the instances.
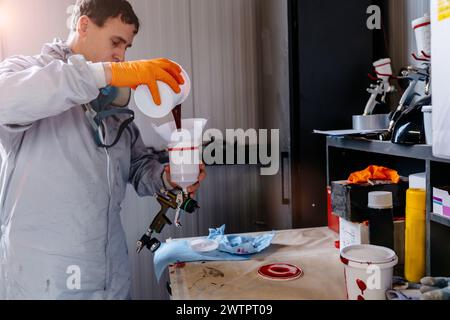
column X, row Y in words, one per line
column 368, row 254
column 380, row 200
column 204, row 245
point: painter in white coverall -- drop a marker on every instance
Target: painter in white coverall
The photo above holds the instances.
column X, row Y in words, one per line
column 59, row 211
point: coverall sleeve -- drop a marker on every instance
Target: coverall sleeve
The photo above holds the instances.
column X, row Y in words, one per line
column 146, row 171
column 30, row 91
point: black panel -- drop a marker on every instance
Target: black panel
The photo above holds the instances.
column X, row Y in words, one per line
column 331, row 53
column 440, row 250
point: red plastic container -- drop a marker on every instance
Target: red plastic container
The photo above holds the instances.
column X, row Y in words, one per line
column 333, row 221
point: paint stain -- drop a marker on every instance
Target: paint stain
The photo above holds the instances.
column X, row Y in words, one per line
column 47, row 288
column 209, row 272
column 363, row 287
column 213, row 272
column 180, row 265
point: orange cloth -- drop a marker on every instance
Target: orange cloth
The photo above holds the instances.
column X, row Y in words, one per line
column 135, row 73
column 374, row 173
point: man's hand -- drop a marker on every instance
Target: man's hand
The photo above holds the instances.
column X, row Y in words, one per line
column 145, row 72
column 192, row 189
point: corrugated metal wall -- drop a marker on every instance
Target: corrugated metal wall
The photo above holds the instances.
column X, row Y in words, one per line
column 275, row 102
column 215, row 40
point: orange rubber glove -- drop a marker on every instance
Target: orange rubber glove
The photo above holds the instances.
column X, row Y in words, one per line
column 135, row 73
column 374, row 173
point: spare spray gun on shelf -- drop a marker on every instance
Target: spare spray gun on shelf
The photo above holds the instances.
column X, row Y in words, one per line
column 376, row 111
column 406, row 124
column 379, row 90
column 175, row 199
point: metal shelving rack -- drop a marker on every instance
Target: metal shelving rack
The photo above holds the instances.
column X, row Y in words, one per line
column 418, row 155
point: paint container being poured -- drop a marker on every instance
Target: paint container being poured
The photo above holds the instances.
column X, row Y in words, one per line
column 185, row 148
column 169, row 99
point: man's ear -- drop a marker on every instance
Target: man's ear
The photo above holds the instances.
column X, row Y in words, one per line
column 83, row 25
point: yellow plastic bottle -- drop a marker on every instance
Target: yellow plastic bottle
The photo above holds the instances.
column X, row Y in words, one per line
column 415, row 242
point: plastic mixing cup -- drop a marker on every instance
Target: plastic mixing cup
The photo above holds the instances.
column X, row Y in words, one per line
column 422, row 31
column 383, row 68
column 185, row 149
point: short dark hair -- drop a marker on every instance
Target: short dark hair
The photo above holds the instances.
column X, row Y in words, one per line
column 99, row 11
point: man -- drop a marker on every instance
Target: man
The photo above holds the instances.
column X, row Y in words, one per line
column 62, row 179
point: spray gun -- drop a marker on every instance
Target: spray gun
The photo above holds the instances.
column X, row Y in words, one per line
column 177, row 200
column 414, row 76
column 381, row 88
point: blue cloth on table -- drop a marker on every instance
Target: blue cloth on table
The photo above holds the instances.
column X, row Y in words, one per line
column 231, row 248
column 181, row 251
column 241, row 245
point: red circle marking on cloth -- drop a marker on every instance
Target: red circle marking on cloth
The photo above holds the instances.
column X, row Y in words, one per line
column 280, row 272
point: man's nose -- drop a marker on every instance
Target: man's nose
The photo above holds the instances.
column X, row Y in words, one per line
column 119, row 56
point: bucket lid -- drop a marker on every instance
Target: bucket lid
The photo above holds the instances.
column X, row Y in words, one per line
column 368, row 254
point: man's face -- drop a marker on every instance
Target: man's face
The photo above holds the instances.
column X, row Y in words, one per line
column 108, row 43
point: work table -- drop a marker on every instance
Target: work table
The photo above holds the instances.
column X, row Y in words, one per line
column 313, row 250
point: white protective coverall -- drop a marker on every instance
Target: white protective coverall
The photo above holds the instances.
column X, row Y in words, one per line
column 59, row 205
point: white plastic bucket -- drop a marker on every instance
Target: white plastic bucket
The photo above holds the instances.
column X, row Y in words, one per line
column 422, row 30
column 428, row 123
column 169, row 99
column 368, row 271
column 383, row 68
column 185, row 149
